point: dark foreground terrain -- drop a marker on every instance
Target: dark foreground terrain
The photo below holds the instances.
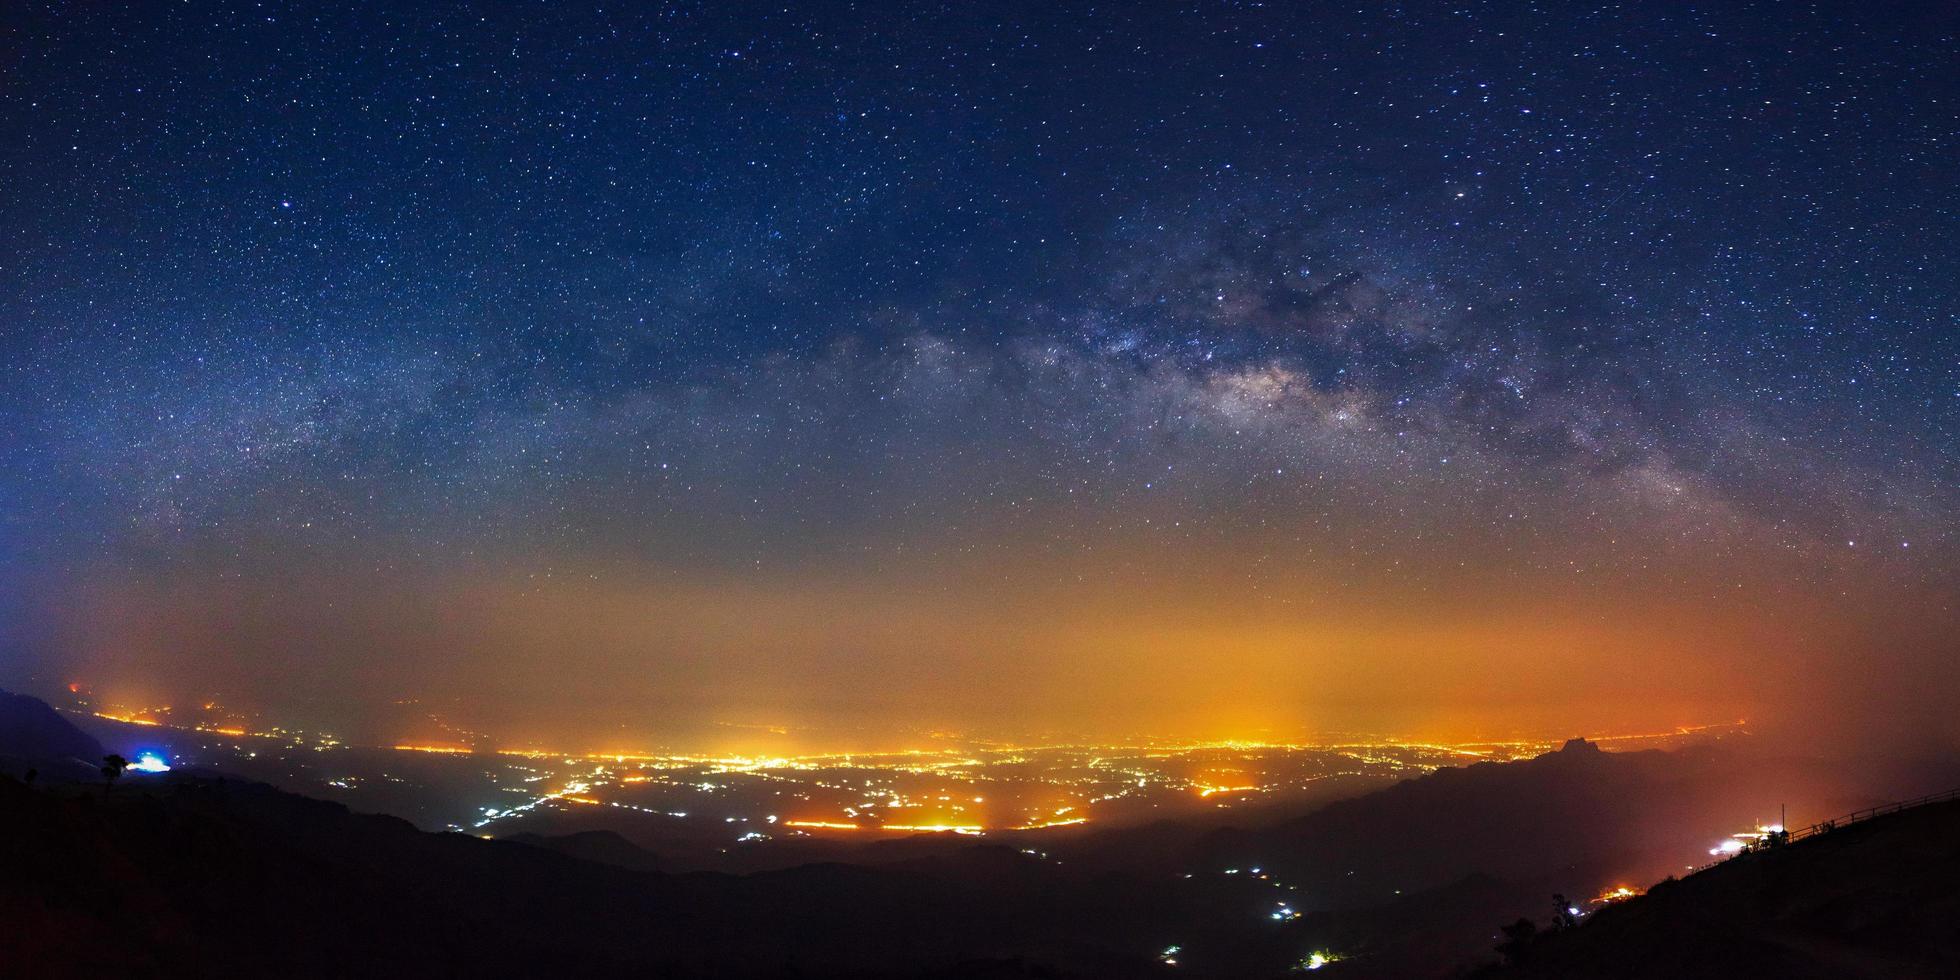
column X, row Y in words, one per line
column 1873, row 899
column 197, row 874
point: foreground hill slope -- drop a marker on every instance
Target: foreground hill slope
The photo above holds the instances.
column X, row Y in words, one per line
column 34, row 735
column 187, row 876
column 1875, row 899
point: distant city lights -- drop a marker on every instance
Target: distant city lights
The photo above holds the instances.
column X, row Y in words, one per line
column 1317, row 959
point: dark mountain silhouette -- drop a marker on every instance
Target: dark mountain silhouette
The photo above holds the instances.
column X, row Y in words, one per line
column 1873, row 899
column 35, row 736
column 1578, row 813
column 200, row 877
column 1506, row 820
column 599, row 846
column 1406, row 879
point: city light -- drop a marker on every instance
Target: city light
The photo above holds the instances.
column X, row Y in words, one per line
column 935, row 828
column 149, row 762
column 981, row 787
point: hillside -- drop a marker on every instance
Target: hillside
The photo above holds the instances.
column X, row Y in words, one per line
column 34, row 735
column 1574, row 815
column 1578, row 811
column 197, row 875
column 191, row 875
column 1874, row 899
column 599, row 846
column 184, row 876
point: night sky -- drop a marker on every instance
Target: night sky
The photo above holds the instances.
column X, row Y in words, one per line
column 601, row 372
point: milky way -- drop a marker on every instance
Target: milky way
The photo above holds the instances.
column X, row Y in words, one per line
column 857, row 359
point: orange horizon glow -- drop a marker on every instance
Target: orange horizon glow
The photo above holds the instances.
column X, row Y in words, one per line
column 1475, row 747
column 1323, row 677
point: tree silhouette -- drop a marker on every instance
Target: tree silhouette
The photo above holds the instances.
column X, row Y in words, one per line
column 113, row 766
column 1517, row 937
column 1565, row 915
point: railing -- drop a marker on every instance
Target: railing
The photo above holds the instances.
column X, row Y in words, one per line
column 1826, row 826
column 1870, row 812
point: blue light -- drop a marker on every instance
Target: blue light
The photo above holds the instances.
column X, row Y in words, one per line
column 149, row 762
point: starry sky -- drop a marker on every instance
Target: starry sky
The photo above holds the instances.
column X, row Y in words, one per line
column 607, row 372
